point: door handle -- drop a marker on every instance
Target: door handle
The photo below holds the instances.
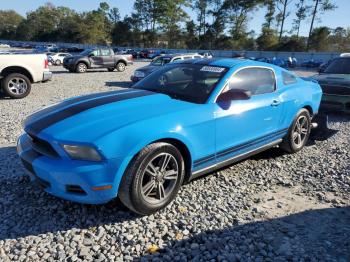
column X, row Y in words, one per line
column 275, row 102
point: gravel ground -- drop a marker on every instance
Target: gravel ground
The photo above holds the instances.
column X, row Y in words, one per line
column 272, row 207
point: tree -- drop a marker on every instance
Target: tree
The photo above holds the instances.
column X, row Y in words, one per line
column 9, row 22
column 201, row 7
column 114, row 15
column 319, row 39
column 301, row 14
column 283, row 14
column 236, row 12
column 174, row 14
column 190, row 36
column 319, row 6
column 268, row 39
column 269, row 16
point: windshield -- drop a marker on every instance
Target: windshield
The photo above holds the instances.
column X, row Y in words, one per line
column 338, row 66
column 190, row 82
column 160, row 61
column 86, row 52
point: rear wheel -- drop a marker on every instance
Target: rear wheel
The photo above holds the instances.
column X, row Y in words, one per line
column 81, row 68
column 298, row 133
column 152, row 179
column 121, row 67
column 16, row 85
column 58, row 62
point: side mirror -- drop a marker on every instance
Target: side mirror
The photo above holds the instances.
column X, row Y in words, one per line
column 234, row 94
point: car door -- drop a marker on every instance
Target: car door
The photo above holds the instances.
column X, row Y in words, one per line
column 96, row 59
column 108, row 57
column 245, row 125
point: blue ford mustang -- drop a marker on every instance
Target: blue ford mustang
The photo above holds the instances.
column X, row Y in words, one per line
column 184, row 120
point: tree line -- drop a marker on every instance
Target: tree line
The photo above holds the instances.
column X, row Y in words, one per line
column 217, row 24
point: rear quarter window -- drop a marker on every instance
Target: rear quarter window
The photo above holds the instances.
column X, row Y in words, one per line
column 288, row 79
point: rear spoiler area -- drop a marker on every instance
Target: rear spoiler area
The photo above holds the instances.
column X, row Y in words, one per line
column 309, row 79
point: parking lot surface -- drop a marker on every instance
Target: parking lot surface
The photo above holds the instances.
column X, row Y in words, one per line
column 271, row 207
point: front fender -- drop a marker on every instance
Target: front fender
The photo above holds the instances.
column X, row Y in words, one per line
column 125, row 154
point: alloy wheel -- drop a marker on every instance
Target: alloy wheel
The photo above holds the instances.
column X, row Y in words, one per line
column 159, row 178
column 17, row 86
column 301, row 130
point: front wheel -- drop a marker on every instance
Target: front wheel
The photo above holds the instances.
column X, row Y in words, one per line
column 298, row 133
column 58, row 62
column 81, row 68
column 152, row 179
column 16, row 85
column 121, row 67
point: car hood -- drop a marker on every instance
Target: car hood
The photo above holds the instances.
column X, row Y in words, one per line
column 343, row 79
column 148, row 69
column 88, row 118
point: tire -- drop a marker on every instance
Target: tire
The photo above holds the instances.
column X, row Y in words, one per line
column 121, row 66
column 111, row 69
column 298, row 133
column 140, row 190
column 58, row 62
column 81, row 68
column 16, row 85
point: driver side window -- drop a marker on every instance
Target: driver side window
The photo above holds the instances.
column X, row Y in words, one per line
column 95, row 53
column 256, row 80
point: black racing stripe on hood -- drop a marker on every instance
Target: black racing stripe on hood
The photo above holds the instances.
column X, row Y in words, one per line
column 58, row 116
column 72, row 101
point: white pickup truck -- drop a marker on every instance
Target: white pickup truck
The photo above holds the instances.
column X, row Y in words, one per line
column 18, row 71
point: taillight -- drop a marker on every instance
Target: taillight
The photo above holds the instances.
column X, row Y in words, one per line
column 46, row 64
column 131, row 58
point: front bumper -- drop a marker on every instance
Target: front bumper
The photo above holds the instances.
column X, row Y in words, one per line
column 47, row 76
column 335, row 103
column 69, row 66
column 69, row 179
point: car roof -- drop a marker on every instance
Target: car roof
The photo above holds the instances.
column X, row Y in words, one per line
column 226, row 62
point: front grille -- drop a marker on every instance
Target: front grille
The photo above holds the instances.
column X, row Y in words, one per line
column 43, row 147
column 75, row 189
column 336, row 90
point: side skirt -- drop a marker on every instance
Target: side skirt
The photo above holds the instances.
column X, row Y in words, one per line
column 233, row 160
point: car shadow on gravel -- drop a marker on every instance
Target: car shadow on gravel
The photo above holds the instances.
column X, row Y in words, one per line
column 87, row 72
column 27, row 210
column 312, row 235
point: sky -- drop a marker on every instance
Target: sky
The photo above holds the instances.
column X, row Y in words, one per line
column 339, row 17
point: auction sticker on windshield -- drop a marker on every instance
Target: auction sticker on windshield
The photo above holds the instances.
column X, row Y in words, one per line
column 213, row 69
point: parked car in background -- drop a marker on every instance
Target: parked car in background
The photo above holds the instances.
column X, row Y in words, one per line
column 323, row 66
column 311, row 64
column 159, row 62
column 335, row 83
column 57, row 59
column 185, row 120
column 97, row 58
column 4, row 46
column 19, row 71
column 208, row 54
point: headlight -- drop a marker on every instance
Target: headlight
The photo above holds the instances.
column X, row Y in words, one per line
column 139, row 74
column 82, row 152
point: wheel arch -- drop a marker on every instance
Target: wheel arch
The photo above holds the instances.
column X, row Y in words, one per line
column 180, row 144
column 309, row 108
column 121, row 61
column 82, row 61
column 17, row 69
column 185, row 152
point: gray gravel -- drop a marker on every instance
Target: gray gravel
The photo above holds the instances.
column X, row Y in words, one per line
column 272, row 207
